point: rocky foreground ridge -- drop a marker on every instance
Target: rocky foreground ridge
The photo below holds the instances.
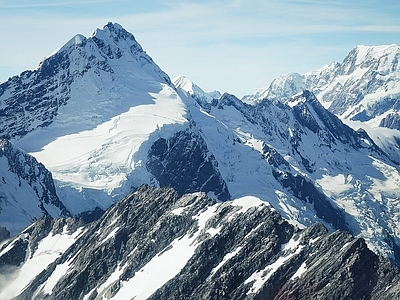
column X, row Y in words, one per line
column 158, row 245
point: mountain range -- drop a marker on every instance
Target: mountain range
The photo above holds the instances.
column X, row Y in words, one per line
column 154, row 244
column 230, row 198
column 364, row 87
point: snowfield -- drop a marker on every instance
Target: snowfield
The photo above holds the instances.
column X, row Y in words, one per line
column 102, row 158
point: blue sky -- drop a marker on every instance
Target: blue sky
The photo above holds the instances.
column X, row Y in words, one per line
column 233, row 46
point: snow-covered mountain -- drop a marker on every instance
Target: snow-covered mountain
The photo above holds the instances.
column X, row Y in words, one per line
column 155, row 244
column 307, row 164
column 193, row 90
column 105, row 119
column 94, row 102
column 27, row 191
column 83, row 84
column 364, row 87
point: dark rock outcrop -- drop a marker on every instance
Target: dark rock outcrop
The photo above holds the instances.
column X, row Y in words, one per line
column 237, row 252
column 32, row 185
column 184, row 163
column 392, row 120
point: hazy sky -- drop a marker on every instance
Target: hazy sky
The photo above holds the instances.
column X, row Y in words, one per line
column 233, row 46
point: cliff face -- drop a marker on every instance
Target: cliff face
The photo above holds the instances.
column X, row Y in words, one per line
column 27, row 190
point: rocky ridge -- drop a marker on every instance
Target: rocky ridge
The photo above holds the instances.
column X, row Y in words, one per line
column 27, row 190
column 155, row 244
column 364, row 87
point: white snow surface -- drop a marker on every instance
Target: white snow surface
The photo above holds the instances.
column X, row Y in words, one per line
column 363, row 65
column 102, row 158
column 48, row 250
column 97, row 140
column 192, row 89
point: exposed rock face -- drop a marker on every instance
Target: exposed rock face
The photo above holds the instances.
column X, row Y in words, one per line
column 184, row 163
column 4, row 234
column 392, row 120
column 23, row 108
column 310, row 112
column 27, row 190
column 155, row 244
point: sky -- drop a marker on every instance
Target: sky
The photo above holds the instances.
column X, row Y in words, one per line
column 232, row 46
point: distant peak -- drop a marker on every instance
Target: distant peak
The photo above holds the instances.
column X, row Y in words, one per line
column 182, row 82
column 185, row 84
column 115, row 31
column 114, row 28
column 363, row 52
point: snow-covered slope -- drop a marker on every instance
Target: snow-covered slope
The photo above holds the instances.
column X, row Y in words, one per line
column 27, row 190
column 32, row 251
column 97, row 99
column 192, row 89
column 156, row 245
column 307, row 164
column 83, row 84
column 364, row 87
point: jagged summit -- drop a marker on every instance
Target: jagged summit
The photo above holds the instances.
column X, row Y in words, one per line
column 67, row 90
column 154, row 244
column 193, row 90
column 113, row 36
column 364, row 87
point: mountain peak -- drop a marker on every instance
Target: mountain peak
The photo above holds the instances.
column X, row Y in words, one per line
column 113, row 27
column 193, row 90
column 74, row 76
column 113, row 42
column 363, row 53
column 377, row 49
column 115, row 30
column 116, row 41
